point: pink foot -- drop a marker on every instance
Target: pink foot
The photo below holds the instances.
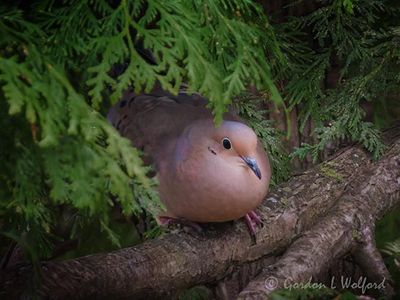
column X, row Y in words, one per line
column 252, row 220
column 167, row 221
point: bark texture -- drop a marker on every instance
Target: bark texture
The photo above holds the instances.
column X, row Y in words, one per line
column 312, row 220
column 348, row 225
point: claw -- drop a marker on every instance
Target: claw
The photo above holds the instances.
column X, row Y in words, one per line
column 252, row 220
column 253, row 215
column 167, row 221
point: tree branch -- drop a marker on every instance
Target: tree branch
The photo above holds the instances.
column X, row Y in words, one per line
column 347, row 226
column 305, row 208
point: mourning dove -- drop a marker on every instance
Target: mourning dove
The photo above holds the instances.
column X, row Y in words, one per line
column 206, row 173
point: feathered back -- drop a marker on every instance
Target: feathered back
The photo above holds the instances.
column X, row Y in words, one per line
column 152, row 120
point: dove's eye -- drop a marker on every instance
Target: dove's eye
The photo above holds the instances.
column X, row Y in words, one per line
column 226, row 143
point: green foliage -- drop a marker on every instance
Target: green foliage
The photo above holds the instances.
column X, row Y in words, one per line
column 199, row 292
column 393, row 248
column 56, row 58
column 250, row 108
column 311, row 293
column 361, row 39
column 64, row 168
column 111, row 236
column 388, row 241
column 393, row 261
column 303, row 293
column 348, row 5
column 213, row 46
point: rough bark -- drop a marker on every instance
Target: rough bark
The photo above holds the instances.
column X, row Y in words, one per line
column 347, row 226
column 315, row 213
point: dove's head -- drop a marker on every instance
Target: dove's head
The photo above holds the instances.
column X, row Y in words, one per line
column 233, row 140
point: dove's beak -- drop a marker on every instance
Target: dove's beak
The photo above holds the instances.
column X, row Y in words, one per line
column 252, row 163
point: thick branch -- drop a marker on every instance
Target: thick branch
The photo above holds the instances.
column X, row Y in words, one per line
column 347, row 226
column 163, row 266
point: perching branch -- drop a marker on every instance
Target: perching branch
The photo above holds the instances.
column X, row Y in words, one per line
column 297, row 215
column 346, row 227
